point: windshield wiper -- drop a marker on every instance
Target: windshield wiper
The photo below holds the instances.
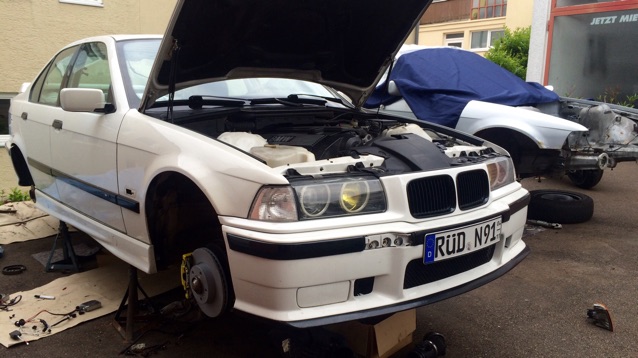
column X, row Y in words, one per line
column 196, row 102
column 292, row 100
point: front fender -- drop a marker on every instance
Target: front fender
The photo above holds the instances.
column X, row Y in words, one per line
column 548, row 132
column 149, row 147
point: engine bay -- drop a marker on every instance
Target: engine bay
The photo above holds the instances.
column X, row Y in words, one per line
column 281, row 138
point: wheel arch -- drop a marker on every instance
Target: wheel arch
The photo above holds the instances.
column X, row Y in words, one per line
column 548, row 132
column 528, row 158
column 180, row 217
column 509, row 139
column 20, row 165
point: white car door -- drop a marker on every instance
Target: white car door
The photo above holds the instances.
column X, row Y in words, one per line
column 83, row 144
column 35, row 111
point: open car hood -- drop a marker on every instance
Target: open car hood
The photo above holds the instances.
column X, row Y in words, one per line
column 346, row 45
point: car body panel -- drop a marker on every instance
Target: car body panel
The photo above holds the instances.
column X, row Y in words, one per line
column 35, row 128
column 545, row 130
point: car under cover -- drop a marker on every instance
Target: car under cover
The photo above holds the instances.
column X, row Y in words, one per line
column 326, row 41
column 437, row 83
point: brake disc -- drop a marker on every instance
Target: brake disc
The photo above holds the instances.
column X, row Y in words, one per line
column 208, row 282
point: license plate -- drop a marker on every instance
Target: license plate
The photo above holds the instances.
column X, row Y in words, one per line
column 460, row 241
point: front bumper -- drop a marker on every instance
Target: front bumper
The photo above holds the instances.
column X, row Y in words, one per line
column 319, row 282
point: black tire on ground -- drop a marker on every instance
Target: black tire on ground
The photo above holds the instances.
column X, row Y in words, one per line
column 585, row 179
column 560, row 206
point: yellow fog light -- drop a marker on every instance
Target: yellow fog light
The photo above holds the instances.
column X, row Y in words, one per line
column 354, row 196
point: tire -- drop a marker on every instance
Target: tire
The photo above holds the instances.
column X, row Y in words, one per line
column 560, row 206
column 585, row 179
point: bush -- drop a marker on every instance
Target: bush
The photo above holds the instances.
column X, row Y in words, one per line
column 613, row 96
column 14, row 196
column 511, row 51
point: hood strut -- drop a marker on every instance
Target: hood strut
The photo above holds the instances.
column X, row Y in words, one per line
column 172, row 79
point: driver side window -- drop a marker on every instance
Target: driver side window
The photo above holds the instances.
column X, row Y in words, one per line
column 46, row 89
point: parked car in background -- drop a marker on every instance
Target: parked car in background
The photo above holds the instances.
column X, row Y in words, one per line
column 546, row 135
column 226, row 147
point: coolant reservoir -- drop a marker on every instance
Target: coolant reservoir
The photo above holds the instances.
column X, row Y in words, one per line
column 277, row 155
column 409, row 129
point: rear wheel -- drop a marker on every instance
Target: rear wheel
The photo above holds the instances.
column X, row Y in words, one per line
column 559, row 206
column 585, row 179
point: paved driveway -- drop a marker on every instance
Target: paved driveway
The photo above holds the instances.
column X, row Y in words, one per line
column 537, row 310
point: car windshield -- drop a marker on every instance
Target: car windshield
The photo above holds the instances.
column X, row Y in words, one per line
column 137, row 57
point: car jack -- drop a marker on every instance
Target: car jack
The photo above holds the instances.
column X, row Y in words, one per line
column 130, row 304
column 70, row 261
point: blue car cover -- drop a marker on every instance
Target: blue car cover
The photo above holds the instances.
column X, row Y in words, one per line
column 438, row 82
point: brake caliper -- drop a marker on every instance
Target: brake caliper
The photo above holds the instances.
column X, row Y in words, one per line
column 187, row 261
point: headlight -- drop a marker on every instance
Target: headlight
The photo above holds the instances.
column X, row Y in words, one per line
column 274, row 203
column 317, row 198
column 339, row 196
column 501, row 172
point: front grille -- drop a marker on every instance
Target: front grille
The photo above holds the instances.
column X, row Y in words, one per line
column 417, row 273
column 437, row 195
column 431, row 196
column 472, row 188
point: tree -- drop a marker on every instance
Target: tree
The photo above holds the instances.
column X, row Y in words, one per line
column 511, row 51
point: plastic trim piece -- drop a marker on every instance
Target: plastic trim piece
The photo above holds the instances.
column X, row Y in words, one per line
column 114, row 198
column 386, row 310
column 295, row 251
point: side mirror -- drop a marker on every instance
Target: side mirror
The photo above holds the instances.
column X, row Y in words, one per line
column 82, row 100
column 393, row 89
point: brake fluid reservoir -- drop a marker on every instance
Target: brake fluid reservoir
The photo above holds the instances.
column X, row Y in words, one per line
column 408, row 128
column 277, row 155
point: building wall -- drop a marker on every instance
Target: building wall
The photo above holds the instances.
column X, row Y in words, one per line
column 519, row 14
column 33, row 31
column 434, row 34
column 154, row 15
column 538, row 42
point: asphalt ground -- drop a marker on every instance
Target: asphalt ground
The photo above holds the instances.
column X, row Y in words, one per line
column 538, row 309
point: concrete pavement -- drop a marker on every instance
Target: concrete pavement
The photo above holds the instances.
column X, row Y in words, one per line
column 536, row 310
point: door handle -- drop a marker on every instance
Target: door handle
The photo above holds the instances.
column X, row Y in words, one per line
column 57, row 124
column 24, row 115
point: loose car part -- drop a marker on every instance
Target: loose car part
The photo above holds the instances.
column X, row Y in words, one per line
column 600, row 316
column 560, row 206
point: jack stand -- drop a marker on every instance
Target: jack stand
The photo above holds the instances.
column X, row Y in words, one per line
column 129, row 333
column 70, row 261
